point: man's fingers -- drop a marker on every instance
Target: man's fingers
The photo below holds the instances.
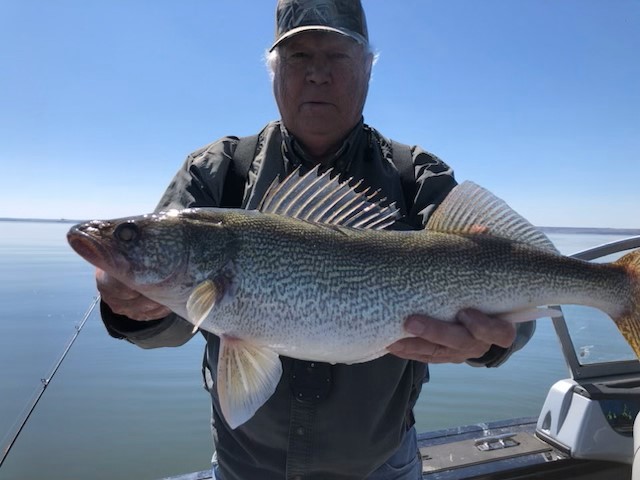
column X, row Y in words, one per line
column 110, row 287
column 125, row 301
column 424, row 351
column 142, row 310
column 488, row 329
column 447, row 334
column 437, row 341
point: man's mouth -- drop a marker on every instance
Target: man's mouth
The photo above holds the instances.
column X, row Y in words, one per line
column 315, row 103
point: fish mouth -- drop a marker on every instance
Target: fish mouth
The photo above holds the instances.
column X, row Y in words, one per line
column 86, row 240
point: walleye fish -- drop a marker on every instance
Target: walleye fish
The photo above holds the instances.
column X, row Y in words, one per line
column 313, row 275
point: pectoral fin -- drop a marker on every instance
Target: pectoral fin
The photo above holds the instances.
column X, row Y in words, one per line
column 215, row 291
column 201, row 301
column 247, row 376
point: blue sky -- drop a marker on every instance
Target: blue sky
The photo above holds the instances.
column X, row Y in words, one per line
column 537, row 100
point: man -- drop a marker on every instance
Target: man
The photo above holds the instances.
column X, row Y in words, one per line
column 323, row 422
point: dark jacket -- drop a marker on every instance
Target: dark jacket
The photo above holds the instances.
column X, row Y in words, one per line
column 324, row 421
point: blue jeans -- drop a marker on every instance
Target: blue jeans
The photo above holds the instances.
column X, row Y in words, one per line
column 405, row 464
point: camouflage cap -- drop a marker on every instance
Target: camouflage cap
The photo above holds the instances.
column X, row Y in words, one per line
column 345, row 17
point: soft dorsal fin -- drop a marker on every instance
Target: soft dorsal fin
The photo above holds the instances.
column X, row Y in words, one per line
column 322, row 198
column 469, row 208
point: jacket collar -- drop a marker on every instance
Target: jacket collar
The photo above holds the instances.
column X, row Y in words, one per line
column 295, row 155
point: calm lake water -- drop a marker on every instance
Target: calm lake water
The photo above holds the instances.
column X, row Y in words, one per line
column 114, row 411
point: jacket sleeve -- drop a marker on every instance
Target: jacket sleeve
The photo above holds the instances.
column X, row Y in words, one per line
column 435, row 179
column 198, row 183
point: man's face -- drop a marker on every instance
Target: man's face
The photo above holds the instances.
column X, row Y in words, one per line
column 320, row 85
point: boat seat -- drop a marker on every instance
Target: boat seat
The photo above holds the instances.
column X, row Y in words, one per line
column 635, row 475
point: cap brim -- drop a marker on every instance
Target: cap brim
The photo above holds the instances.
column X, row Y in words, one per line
column 319, row 28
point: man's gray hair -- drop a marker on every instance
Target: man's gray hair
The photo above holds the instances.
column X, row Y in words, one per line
column 271, row 58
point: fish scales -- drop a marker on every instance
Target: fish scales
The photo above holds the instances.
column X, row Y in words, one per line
column 300, row 278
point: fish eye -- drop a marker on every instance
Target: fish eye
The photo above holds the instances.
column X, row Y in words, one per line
column 126, row 232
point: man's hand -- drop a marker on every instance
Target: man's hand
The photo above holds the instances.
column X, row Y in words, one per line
column 452, row 342
column 124, row 301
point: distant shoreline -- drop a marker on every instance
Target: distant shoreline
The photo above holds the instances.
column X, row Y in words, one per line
column 40, row 220
column 592, row 230
column 585, row 230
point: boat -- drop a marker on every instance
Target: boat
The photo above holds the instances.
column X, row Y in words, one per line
column 585, row 429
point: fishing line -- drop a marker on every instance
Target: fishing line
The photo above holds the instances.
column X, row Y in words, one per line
column 19, row 425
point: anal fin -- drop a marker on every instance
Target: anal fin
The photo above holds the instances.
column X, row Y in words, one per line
column 529, row 314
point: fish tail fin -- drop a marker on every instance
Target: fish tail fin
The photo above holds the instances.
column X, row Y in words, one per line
column 629, row 322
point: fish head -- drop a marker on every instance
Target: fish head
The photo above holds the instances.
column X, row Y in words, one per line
column 142, row 251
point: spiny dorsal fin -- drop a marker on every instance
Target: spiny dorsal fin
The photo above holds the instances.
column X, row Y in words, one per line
column 319, row 198
column 469, row 208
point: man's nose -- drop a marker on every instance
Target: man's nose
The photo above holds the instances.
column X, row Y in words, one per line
column 319, row 71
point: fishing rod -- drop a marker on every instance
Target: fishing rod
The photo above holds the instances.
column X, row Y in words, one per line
column 45, row 383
